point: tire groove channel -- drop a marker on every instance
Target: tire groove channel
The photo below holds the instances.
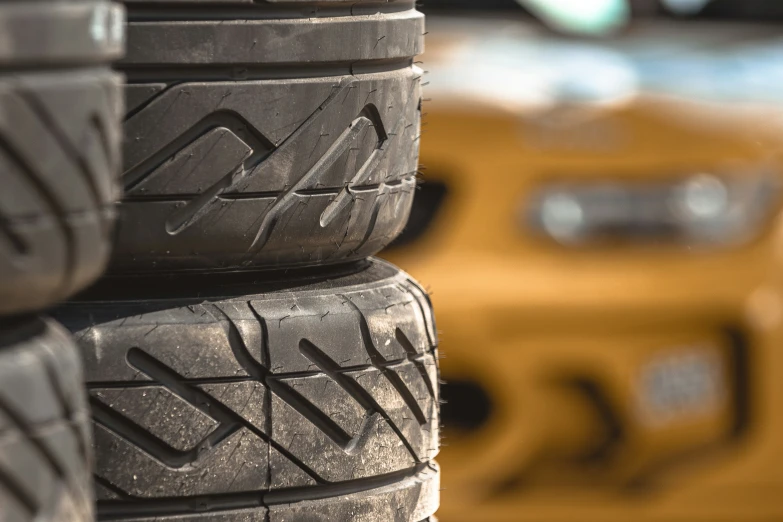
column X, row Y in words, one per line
column 215, row 503
column 259, row 373
column 57, row 210
column 378, row 360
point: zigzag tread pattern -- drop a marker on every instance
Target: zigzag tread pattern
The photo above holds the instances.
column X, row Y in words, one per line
column 289, row 391
column 267, row 172
column 59, row 166
column 44, row 429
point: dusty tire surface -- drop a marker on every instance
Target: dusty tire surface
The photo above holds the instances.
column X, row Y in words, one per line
column 267, row 134
column 44, row 426
column 308, row 397
column 60, row 110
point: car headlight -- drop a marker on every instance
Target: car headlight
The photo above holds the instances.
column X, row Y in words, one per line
column 701, row 209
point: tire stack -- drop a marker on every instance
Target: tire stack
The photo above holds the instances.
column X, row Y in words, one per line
column 60, row 111
column 246, row 359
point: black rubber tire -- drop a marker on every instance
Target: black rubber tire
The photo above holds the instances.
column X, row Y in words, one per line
column 44, row 426
column 304, row 398
column 60, row 110
column 267, row 134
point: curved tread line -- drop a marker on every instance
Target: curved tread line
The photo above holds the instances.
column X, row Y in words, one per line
column 370, row 112
column 414, row 288
column 19, row 247
column 17, row 421
column 188, row 215
column 133, row 112
column 66, row 146
column 209, row 405
column 260, row 374
column 199, row 399
column 252, row 367
column 143, row 439
column 313, row 414
column 202, row 401
column 284, row 202
column 369, row 165
column 266, row 361
column 13, row 487
column 112, row 158
column 109, row 385
column 67, row 408
column 145, row 168
column 362, row 396
column 232, row 196
column 269, row 221
column 40, row 187
column 391, row 375
column 340, row 87
column 338, row 489
column 348, row 444
column 342, row 369
column 111, row 487
column 413, row 357
column 218, row 72
column 136, row 507
column 376, row 210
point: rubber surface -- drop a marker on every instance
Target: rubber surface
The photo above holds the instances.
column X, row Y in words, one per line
column 267, row 134
column 59, row 148
column 44, row 427
column 304, row 398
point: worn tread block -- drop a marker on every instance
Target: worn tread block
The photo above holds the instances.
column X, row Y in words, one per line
column 44, row 426
column 242, row 150
column 59, row 167
column 290, row 388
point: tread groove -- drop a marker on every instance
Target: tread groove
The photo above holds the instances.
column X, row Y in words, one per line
column 200, row 400
column 221, row 118
column 43, row 191
column 379, row 361
column 343, row 142
column 216, row 503
column 44, row 425
column 18, row 421
column 287, row 363
column 259, row 373
column 329, row 367
column 70, row 414
column 8, row 483
column 16, row 242
column 131, row 113
column 414, row 288
column 60, row 169
column 350, row 445
column 141, row 438
column 233, row 196
column 67, row 147
column 413, row 357
column 111, row 487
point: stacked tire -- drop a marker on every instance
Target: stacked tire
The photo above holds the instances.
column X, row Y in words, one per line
column 246, row 359
column 60, row 114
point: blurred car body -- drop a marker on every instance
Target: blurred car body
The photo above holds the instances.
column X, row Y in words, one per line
column 599, row 224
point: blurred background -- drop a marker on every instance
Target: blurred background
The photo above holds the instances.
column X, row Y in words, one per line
column 599, row 222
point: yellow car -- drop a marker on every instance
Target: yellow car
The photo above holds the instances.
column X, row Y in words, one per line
column 600, row 227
